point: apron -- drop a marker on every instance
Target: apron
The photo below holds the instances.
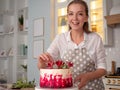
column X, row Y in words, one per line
column 82, row 63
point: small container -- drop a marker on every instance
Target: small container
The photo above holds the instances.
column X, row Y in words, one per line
column 113, row 67
column 118, row 71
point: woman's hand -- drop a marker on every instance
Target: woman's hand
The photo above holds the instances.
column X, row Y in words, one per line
column 43, row 59
column 83, row 79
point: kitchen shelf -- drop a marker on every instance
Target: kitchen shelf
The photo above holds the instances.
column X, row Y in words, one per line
column 3, row 34
column 13, row 38
column 112, row 20
column 23, row 32
column 3, row 57
column 22, row 56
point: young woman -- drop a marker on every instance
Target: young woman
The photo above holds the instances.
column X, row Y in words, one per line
column 84, row 48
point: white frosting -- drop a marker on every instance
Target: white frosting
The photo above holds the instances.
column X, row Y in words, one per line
column 64, row 72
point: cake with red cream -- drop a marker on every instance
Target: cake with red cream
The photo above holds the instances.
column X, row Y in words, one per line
column 58, row 74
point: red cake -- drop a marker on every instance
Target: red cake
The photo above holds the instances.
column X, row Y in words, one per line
column 57, row 75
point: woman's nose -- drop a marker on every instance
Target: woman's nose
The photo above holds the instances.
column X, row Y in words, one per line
column 75, row 17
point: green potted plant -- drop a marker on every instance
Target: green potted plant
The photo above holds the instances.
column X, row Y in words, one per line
column 24, row 85
column 24, row 67
column 21, row 21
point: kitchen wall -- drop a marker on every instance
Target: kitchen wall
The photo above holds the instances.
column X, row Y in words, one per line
column 38, row 9
column 116, row 2
column 113, row 52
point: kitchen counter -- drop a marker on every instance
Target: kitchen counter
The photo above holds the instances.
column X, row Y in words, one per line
column 112, row 89
column 6, row 87
column 1, row 88
column 112, row 76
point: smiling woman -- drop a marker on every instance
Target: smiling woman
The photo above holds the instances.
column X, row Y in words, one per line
column 75, row 46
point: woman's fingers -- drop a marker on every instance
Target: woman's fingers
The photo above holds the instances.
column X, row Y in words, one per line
column 43, row 59
column 82, row 79
column 46, row 57
column 49, row 57
column 78, row 78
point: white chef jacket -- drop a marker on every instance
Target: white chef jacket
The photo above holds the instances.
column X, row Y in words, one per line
column 92, row 42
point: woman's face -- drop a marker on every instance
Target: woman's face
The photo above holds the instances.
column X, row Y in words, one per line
column 76, row 16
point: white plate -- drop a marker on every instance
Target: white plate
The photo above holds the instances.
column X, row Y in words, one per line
column 72, row 88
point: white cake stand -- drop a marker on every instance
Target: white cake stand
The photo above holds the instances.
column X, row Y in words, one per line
column 72, row 88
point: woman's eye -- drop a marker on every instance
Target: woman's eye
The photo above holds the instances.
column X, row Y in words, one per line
column 70, row 14
column 80, row 14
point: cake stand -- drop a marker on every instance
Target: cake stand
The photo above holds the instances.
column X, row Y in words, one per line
column 39, row 88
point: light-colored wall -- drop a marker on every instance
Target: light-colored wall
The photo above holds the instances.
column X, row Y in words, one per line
column 37, row 9
column 113, row 52
column 116, row 2
column 2, row 5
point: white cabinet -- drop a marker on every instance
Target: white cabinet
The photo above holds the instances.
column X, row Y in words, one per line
column 21, row 38
column 97, row 10
column 60, row 16
column 7, row 6
column 97, row 22
column 6, row 46
column 13, row 40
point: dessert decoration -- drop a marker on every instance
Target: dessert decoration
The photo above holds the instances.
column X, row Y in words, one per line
column 58, row 74
column 59, row 64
